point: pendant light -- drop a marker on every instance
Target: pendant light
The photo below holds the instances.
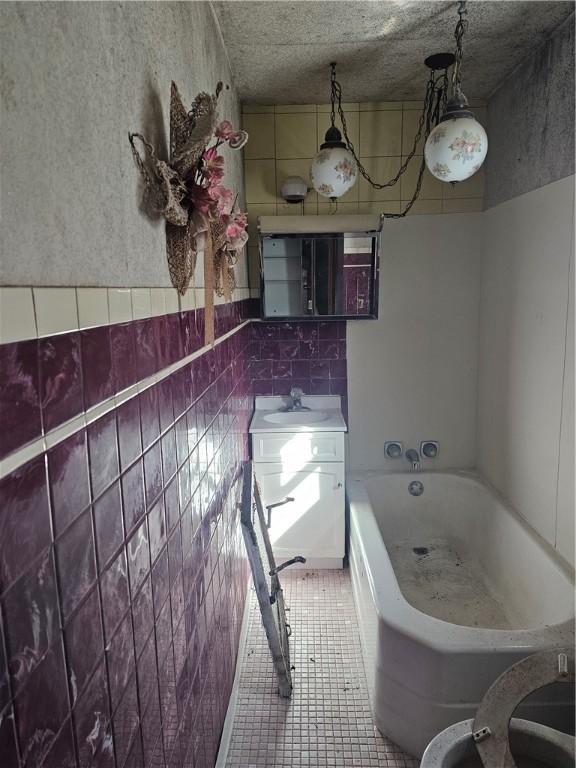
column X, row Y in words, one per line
column 334, row 169
column 455, row 143
column 457, row 146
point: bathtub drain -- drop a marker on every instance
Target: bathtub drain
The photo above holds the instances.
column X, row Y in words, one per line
column 416, row 488
column 420, row 550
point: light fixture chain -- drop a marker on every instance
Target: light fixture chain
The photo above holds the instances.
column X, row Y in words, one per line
column 459, row 32
column 430, row 89
column 333, row 93
column 428, row 117
column 430, row 112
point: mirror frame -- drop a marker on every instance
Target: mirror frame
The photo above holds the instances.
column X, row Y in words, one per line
column 374, row 282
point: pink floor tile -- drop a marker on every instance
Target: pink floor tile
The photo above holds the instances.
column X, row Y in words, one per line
column 328, row 722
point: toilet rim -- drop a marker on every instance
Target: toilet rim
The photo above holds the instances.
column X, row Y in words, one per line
column 491, row 726
column 459, row 735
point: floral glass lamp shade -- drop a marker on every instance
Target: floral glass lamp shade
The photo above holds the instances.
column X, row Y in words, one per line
column 457, row 147
column 456, row 143
column 334, row 168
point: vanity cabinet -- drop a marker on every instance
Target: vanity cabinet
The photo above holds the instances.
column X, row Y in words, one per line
column 309, row 468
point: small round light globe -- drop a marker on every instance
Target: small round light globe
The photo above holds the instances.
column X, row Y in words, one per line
column 456, row 149
column 334, row 170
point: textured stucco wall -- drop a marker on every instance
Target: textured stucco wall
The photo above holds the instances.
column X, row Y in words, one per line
column 531, row 122
column 75, row 78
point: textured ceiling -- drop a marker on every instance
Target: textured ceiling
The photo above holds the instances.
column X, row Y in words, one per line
column 280, row 51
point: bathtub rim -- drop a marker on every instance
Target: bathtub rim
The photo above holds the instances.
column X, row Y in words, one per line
column 394, row 610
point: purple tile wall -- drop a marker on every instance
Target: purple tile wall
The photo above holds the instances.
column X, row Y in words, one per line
column 122, row 575
column 310, row 355
column 45, row 382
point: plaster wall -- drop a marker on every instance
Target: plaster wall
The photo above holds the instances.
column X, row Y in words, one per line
column 75, row 79
column 531, row 121
column 526, row 359
column 122, row 433
column 412, row 373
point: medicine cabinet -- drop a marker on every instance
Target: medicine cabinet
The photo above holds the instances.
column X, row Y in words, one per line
column 319, row 267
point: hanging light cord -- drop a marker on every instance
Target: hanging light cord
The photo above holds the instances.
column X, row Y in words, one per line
column 434, row 102
column 461, row 28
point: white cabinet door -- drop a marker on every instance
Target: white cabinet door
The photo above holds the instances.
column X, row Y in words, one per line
column 313, row 524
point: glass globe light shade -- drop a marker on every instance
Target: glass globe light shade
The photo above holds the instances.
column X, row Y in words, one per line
column 334, row 170
column 456, row 148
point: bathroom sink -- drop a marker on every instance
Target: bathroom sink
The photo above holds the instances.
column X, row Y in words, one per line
column 295, row 417
column 319, row 413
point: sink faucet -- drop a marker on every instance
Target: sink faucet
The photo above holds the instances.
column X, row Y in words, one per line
column 413, row 456
column 296, row 401
column 296, row 396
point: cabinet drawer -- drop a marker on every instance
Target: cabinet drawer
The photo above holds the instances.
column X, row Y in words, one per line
column 298, row 448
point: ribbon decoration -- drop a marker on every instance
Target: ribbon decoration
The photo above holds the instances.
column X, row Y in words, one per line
column 209, row 289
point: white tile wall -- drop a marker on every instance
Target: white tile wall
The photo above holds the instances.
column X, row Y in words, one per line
column 157, row 301
column 56, row 310
column 141, row 303
column 120, row 305
column 17, row 317
column 171, row 300
column 27, row 313
column 92, row 307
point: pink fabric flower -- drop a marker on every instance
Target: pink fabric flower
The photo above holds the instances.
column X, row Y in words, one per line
column 236, row 139
column 241, row 219
column 213, row 167
column 202, row 199
column 237, row 237
column 236, row 233
column 225, row 130
column 223, row 198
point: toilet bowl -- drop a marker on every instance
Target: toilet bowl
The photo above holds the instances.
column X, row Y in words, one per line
column 496, row 740
column 533, row 746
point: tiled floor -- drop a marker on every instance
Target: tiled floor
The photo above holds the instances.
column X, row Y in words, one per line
column 327, row 722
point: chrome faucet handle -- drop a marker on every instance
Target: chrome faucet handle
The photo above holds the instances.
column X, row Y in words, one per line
column 296, row 397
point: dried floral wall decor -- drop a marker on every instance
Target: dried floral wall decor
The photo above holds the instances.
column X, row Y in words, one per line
column 201, row 213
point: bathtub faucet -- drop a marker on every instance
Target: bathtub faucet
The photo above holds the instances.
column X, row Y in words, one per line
column 414, row 457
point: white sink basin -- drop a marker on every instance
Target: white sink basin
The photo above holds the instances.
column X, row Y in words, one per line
column 295, row 417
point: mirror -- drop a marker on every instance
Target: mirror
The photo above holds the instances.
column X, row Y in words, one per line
column 322, row 275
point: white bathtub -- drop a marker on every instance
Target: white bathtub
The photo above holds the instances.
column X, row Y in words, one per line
column 438, row 628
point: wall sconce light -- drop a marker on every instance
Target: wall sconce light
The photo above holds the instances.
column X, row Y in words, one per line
column 294, row 189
